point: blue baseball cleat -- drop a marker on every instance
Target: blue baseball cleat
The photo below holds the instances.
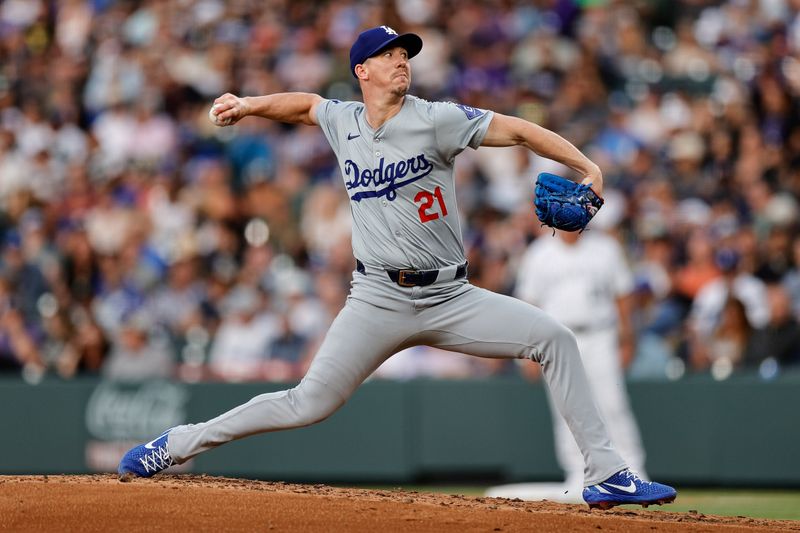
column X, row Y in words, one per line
column 626, row 487
column 147, row 459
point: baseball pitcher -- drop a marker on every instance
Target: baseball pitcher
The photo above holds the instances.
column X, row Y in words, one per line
column 410, row 287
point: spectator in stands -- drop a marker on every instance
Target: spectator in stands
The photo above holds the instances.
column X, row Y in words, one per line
column 714, row 298
column 17, row 344
column 138, row 351
column 285, row 353
column 729, row 339
column 24, row 279
column 779, row 340
column 176, row 304
column 239, row 350
column 699, row 268
column 791, row 280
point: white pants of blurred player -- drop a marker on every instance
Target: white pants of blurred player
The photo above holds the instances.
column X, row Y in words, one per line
column 600, row 355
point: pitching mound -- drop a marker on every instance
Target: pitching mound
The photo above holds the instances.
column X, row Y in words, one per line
column 201, row 503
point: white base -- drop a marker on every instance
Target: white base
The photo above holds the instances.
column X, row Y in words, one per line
column 554, row 492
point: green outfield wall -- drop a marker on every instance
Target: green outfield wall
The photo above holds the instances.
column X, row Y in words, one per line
column 742, row 431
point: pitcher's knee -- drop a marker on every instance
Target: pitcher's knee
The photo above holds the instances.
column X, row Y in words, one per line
column 314, row 402
column 561, row 341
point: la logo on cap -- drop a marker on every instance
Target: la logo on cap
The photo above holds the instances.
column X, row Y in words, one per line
column 389, row 30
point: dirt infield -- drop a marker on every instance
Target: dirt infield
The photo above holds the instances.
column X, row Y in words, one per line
column 201, row 503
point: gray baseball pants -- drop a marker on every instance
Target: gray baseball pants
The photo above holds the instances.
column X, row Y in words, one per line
column 381, row 318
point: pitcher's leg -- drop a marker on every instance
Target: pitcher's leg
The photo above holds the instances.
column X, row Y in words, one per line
column 607, row 379
column 624, row 431
column 568, row 455
column 480, row 322
column 356, row 344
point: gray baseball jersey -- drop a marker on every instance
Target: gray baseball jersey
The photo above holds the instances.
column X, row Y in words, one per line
column 400, row 178
column 400, row 182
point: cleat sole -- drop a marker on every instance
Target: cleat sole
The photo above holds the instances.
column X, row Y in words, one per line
column 605, row 506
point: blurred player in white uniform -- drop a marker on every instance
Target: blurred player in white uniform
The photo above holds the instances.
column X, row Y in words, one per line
column 595, row 304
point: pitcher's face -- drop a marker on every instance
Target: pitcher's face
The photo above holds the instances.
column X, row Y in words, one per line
column 390, row 69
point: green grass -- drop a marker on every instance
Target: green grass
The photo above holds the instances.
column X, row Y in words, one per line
column 776, row 504
column 754, row 503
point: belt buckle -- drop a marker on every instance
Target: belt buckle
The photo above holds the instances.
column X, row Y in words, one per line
column 401, row 278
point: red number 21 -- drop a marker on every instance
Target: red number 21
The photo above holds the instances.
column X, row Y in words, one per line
column 427, row 204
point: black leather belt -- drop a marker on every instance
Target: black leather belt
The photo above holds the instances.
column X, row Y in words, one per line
column 418, row 278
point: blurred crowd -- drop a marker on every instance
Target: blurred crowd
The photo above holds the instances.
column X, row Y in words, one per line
column 140, row 241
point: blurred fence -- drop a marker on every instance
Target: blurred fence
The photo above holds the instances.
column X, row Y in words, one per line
column 742, row 431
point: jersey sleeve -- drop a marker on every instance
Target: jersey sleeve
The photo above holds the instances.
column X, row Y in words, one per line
column 328, row 118
column 458, row 126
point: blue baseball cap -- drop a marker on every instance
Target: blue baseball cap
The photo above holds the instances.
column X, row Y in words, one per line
column 373, row 40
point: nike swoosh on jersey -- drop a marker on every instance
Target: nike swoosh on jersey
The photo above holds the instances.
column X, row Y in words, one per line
column 630, row 488
column 350, row 136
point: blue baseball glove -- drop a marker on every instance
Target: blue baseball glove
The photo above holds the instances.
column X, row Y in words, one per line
column 563, row 204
